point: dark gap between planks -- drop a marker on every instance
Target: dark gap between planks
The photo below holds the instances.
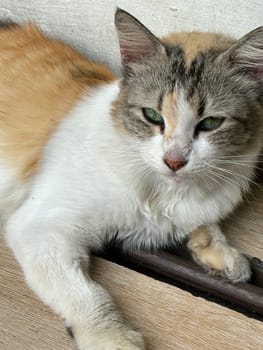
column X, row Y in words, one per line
column 177, row 268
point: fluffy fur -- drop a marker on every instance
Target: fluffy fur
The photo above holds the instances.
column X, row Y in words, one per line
column 80, row 164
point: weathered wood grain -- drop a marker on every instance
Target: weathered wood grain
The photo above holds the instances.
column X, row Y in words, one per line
column 170, row 318
column 244, row 228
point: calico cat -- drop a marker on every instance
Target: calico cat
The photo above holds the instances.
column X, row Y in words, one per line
column 150, row 159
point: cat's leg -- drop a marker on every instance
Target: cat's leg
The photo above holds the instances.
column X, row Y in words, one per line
column 210, row 249
column 52, row 259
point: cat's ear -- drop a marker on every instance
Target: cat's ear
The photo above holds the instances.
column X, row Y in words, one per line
column 247, row 53
column 137, row 43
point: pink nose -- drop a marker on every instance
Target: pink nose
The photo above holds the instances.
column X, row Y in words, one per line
column 174, row 164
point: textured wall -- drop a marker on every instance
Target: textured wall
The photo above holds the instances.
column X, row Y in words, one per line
column 88, row 24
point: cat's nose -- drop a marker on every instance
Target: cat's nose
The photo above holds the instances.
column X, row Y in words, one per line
column 174, row 164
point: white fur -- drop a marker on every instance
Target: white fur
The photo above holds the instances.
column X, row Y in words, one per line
column 12, row 192
column 93, row 182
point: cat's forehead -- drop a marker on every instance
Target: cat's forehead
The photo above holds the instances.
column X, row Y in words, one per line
column 193, row 64
column 194, row 43
column 189, row 57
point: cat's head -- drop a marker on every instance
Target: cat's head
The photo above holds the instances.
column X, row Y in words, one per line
column 193, row 101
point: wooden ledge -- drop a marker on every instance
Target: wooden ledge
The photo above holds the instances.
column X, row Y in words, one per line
column 179, row 267
column 169, row 317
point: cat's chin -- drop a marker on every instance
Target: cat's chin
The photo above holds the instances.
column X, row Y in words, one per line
column 176, row 177
column 180, row 179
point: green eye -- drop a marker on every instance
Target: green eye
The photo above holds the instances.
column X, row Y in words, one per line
column 152, row 116
column 209, row 124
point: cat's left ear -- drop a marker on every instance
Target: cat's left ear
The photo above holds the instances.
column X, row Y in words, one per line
column 137, row 43
column 247, row 53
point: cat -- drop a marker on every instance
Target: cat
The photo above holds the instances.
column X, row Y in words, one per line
column 164, row 153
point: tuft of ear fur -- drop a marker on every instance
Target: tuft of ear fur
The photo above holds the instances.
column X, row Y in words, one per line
column 247, row 53
column 136, row 41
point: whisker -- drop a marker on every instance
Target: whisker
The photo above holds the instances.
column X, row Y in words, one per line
column 238, row 163
column 241, row 155
column 236, row 175
column 211, row 176
column 224, row 178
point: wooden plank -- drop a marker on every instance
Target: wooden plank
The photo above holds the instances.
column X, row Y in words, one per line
column 173, row 319
column 25, row 323
column 247, row 296
column 244, row 228
column 169, row 317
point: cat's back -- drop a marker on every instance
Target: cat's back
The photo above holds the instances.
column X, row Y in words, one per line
column 41, row 81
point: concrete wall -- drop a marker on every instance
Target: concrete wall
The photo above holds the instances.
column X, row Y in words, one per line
column 88, row 24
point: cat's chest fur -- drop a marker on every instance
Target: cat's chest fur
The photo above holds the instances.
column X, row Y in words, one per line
column 85, row 180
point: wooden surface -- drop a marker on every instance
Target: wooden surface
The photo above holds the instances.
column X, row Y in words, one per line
column 170, row 318
column 244, row 228
column 25, row 323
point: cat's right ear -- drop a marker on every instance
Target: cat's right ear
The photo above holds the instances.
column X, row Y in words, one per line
column 137, row 43
column 247, row 53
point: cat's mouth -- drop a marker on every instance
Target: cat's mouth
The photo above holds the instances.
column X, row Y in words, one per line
column 177, row 176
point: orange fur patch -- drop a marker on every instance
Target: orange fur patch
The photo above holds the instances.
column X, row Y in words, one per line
column 194, row 42
column 169, row 114
column 41, row 80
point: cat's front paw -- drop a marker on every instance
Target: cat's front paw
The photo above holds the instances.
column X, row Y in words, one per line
column 110, row 338
column 215, row 255
column 237, row 268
